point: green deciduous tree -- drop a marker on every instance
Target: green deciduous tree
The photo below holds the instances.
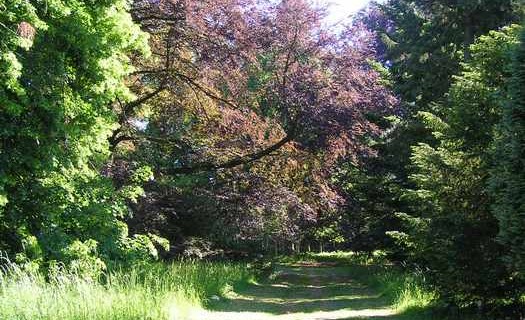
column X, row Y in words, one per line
column 62, row 67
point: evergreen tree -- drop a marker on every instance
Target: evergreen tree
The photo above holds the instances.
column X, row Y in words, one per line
column 508, row 176
column 453, row 231
column 423, row 43
column 427, row 40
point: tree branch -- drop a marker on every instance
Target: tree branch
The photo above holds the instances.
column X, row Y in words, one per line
column 123, row 138
column 133, row 104
column 114, row 140
column 204, row 90
column 203, row 167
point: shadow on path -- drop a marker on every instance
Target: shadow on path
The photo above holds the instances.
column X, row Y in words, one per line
column 305, row 292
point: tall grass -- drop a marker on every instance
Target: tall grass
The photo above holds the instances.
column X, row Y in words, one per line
column 150, row 291
column 407, row 291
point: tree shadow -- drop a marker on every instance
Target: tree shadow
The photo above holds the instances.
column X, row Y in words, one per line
column 304, row 290
column 287, row 306
column 412, row 314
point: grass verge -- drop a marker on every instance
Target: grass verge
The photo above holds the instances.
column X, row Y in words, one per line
column 149, row 291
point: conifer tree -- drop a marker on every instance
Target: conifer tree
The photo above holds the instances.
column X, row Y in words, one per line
column 508, row 176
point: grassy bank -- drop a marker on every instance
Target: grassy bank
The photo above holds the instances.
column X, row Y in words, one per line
column 150, row 291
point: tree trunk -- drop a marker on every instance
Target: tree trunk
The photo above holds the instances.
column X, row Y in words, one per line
column 468, row 37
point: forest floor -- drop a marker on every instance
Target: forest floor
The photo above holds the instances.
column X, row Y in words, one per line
column 305, row 291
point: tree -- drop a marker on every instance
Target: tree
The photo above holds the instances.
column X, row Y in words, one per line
column 246, row 96
column 423, row 44
column 507, row 180
column 63, row 66
column 453, row 231
column 288, row 88
column 440, row 192
column 430, row 39
column 372, row 186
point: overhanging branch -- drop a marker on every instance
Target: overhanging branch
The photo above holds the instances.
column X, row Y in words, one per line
column 246, row 159
column 204, row 90
column 127, row 109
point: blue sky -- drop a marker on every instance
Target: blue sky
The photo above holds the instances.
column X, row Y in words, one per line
column 341, row 9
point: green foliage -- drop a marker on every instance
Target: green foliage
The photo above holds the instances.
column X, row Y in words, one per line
column 508, row 175
column 430, row 184
column 478, row 92
column 423, row 57
column 81, row 260
column 373, row 187
column 62, row 66
column 444, row 207
column 429, row 40
column 452, row 231
column 330, row 234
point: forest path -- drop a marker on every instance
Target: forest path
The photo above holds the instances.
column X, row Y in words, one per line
column 304, row 291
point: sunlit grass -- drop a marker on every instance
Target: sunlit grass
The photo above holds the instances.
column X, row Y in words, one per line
column 406, row 291
column 182, row 290
column 305, row 290
column 150, row 291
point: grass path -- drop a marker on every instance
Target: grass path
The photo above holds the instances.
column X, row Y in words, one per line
column 304, row 291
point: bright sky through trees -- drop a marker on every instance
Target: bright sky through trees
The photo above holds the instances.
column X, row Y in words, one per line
column 341, row 9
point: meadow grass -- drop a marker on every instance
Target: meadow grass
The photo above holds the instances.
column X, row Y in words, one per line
column 148, row 291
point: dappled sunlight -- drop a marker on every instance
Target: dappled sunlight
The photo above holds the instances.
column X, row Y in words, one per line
column 317, row 292
column 319, row 315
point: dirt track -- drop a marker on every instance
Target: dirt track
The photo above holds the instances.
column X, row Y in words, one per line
column 305, row 291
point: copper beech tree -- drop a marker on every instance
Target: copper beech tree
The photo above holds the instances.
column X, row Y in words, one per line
column 264, row 84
